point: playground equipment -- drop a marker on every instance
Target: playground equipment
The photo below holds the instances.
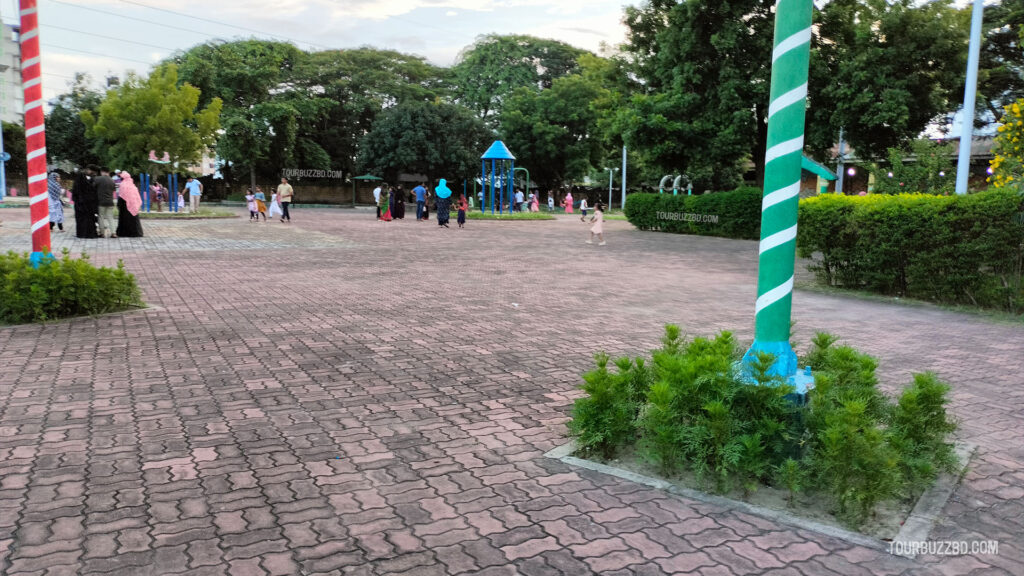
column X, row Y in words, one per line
column 676, row 181
column 503, row 166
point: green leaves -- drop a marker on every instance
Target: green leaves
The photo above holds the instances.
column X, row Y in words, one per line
column 435, row 139
column 495, row 66
column 61, row 288
column 152, row 114
column 695, row 409
column 952, row 249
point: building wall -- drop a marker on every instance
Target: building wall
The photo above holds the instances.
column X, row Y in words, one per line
column 11, row 96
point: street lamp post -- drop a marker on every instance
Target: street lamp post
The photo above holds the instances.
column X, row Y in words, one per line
column 611, row 176
column 963, row 167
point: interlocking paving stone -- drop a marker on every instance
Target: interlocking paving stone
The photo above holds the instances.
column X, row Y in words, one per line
column 345, row 396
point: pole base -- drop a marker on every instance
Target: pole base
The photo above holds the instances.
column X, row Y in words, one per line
column 785, row 366
column 37, row 258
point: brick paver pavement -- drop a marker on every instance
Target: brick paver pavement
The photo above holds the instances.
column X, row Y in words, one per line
column 343, row 396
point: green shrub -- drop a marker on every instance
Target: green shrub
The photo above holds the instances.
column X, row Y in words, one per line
column 737, row 213
column 61, row 287
column 694, row 407
column 951, row 249
column 605, row 419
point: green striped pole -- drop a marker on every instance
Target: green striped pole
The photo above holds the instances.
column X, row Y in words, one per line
column 790, row 61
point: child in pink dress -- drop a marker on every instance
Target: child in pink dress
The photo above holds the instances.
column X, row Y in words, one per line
column 598, row 227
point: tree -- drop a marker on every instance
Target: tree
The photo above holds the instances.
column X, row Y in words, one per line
column 1008, row 160
column 152, row 114
column 65, row 131
column 436, row 139
column 705, row 69
column 359, row 84
column 1001, row 67
column 263, row 110
column 495, row 66
column 930, row 169
column 14, row 144
column 555, row 132
column 884, row 71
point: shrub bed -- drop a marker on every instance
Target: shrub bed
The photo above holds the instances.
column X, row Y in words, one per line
column 62, row 287
column 734, row 214
column 951, row 249
column 690, row 409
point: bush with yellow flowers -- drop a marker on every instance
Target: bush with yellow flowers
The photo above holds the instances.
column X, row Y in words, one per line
column 1008, row 153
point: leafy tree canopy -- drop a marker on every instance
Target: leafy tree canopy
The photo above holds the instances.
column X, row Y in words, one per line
column 65, row 132
column 554, row 133
column 14, row 144
column 494, row 66
column 152, row 114
column 1001, row 69
column 884, row 71
column 437, row 139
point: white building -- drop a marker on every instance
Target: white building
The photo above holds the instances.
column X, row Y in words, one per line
column 12, row 100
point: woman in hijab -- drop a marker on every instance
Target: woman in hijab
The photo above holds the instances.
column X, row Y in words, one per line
column 56, row 207
column 385, row 204
column 83, row 194
column 444, row 202
column 399, row 212
column 128, row 204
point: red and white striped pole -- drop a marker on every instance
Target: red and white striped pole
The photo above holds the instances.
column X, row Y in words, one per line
column 35, row 130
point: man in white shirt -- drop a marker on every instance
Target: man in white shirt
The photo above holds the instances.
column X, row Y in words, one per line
column 376, row 200
column 519, row 200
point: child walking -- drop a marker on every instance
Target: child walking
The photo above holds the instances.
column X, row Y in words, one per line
column 462, row 206
column 250, row 199
column 598, row 227
column 583, row 209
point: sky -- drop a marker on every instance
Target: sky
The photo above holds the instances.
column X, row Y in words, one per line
column 110, row 37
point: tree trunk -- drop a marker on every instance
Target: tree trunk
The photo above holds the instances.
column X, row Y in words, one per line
column 252, row 179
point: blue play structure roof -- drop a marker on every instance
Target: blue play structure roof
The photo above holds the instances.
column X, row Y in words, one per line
column 815, row 168
column 498, row 151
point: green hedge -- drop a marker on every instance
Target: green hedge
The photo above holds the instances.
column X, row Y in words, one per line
column 60, row 288
column 950, row 249
column 738, row 213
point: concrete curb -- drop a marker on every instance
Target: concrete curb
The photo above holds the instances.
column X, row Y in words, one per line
column 916, row 528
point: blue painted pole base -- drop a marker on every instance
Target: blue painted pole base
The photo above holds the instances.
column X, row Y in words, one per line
column 37, row 258
column 785, row 366
column 785, row 358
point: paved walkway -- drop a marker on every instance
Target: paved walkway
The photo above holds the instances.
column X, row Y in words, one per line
column 343, row 396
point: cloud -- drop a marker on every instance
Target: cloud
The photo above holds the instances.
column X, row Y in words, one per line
column 451, row 13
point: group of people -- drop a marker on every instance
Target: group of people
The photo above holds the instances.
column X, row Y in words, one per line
column 257, row 203
column 391, row 200
column 94, row 194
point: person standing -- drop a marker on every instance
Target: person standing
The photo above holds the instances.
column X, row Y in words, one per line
column 261, row 203
column 83, row 194
column 55, row 192
column 462, row 206
column 105, row 187
column 444, row 202
column 421, row 200
column 583, row 209
column 284, row 195
column 598, row 227
column 551, row 202
column 129, row 202
column 376, row 200
column 384, row 205
column 568, row 202
column 195, row 193
column 157, row 193
column 399, row 212
column 519, row 200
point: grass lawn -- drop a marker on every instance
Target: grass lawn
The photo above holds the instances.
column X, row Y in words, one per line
column 204, row 213
column 477, row 215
